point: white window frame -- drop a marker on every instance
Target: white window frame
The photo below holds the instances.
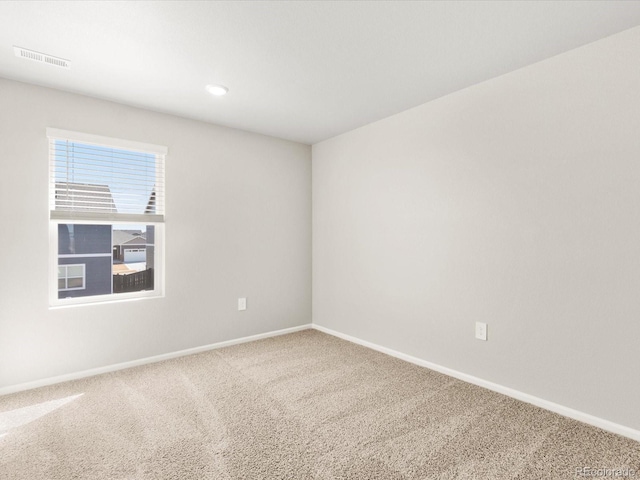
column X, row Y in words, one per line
column 66, row 276
column 57, row 218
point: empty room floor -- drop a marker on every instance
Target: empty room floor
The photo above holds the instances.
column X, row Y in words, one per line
column 304, row 405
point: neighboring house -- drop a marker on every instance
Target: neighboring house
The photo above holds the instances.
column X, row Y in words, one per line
column 129, row 246
column 151, row 232
column 151, row 204
column 84, row 260
column 84, row 197
column 84, row 251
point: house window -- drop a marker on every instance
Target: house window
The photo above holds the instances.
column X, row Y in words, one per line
column 106, row 201
column 71, row 277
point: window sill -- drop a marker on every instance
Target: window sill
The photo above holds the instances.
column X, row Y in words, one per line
column 102, row 299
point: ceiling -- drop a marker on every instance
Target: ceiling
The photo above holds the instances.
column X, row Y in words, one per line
column 303, row 71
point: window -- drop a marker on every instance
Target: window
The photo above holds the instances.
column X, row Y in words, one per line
column 71, row 277
column 106, row 200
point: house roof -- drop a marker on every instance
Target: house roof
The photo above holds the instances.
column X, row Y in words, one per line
column 136, row 240
column 84, row 197
column 151, row 204
column 122, row 237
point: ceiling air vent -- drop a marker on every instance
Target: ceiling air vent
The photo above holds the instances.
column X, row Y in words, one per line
column 41, row 57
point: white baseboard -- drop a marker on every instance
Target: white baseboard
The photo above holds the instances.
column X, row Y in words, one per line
column 143, row 361
column 510, row 392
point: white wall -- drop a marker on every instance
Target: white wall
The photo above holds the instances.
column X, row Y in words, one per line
column 514, row 202
column 253, row 239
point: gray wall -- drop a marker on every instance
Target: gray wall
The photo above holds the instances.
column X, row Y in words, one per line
column 514, row 202
column 238, row 223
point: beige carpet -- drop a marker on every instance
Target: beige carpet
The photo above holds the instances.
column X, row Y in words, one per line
column 304, row 405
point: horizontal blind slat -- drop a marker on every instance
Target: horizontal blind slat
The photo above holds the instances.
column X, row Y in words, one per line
column 98, row 180
column 103, row 162
column 106, row 171
column 105, row 217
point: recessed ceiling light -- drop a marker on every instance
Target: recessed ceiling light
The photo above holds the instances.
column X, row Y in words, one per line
column 217, row 90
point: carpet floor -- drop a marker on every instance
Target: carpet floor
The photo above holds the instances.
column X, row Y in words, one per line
column 300, row 406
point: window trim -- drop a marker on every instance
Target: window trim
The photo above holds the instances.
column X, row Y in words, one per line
column 57, row 217
column 106, row 141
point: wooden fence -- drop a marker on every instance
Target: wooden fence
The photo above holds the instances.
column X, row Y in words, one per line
column 133, row 282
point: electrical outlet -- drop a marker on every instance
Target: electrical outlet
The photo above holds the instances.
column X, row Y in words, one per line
column 481, row 331
column 242, row 303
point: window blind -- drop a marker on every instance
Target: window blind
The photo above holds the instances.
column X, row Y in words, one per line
column 99, row 178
